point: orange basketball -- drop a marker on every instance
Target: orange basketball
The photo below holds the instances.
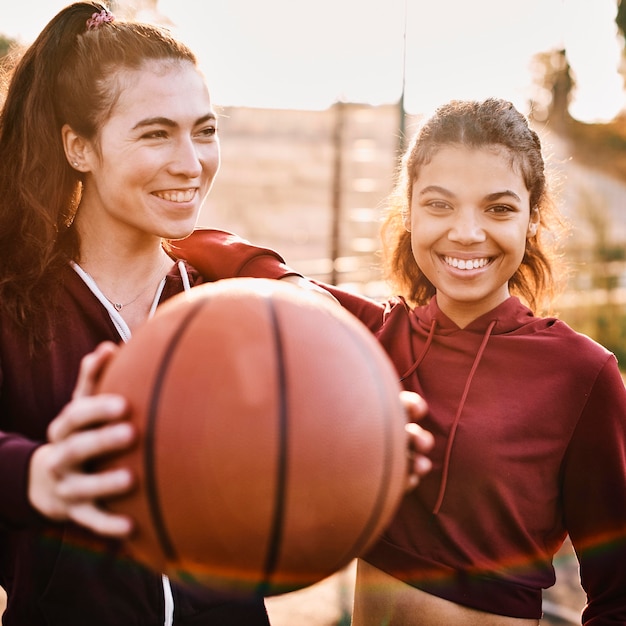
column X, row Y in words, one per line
column 271, row 449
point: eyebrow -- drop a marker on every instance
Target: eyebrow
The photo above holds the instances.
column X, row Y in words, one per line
column 436, row 189
column 165, row 121
column 496, row 195
column 507, row 193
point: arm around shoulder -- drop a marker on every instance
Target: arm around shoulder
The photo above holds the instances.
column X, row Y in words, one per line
column 219, row 254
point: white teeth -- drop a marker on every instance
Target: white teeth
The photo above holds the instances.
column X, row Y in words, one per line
column 466, row 264
column 177, row 195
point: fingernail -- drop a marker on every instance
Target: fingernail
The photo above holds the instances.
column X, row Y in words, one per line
column 123, row 431
column 116, row 404
column 424, row 464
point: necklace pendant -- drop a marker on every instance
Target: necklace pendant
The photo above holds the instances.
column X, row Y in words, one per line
column 118, row 307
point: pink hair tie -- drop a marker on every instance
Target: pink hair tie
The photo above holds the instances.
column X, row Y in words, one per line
column 97, row 19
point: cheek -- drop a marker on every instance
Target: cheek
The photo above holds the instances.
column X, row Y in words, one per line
column 210, row 157
column 518, row 243
column 117, row 169
column 421, row 245
column 424, row 235
column 214, row 165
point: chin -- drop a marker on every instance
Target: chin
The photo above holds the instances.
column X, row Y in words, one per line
column 180, row 231
column 183, row 234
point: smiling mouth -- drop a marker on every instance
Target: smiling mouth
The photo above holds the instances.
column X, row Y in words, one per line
column 466, row 264
column 177, row 195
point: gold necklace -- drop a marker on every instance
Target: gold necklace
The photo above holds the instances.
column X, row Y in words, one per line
column 118, row 306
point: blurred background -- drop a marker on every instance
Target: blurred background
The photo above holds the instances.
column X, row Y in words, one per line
column 316, row 101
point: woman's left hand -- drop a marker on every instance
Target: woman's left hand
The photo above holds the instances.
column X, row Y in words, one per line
column 308, row 285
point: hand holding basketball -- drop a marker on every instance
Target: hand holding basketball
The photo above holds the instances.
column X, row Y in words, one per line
column 88, row 427
column 420, row 441
column 272, row 444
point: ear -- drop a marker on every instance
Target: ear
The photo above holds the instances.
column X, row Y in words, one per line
column 76, row 149
column 533, row 225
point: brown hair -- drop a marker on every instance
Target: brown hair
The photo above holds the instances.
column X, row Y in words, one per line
column 475, row 124
column 67, row 76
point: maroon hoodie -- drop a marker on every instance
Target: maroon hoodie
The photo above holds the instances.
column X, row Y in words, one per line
column 59, row 574
column 529, row 420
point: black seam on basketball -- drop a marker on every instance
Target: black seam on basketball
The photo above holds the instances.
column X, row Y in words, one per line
column 152, row 491
column 276, row 528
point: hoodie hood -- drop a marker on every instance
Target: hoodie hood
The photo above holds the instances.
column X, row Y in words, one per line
column 509, row 316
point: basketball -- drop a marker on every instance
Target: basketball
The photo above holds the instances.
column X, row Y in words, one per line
column 271, row 448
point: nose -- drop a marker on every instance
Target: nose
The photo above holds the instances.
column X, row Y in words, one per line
column 466, row 228
column 186, row 159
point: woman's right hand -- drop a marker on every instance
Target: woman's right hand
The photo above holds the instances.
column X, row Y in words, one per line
column 89, row 427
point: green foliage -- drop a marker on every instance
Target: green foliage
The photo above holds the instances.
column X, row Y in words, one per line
column 611, row 333
column 620, row 18
column 597, row 306
column 601, row 146
column 6, row 43
column 605, row 323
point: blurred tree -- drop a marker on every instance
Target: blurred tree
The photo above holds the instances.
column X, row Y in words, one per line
column 553, row 88
column 606, row 257
column 6, row 43
column 620, row 18
column 7, row 46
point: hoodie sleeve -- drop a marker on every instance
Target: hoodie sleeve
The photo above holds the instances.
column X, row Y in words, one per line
column 594, row 483
column 368, row 311
column 219, row 254
column 15, row 455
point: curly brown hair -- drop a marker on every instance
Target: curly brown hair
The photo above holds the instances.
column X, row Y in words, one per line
column 476, row 124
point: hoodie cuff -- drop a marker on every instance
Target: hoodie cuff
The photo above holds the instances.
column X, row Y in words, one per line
column 15, row 455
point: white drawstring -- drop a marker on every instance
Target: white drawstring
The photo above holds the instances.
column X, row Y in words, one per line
column 183, row 275
column 169, row 601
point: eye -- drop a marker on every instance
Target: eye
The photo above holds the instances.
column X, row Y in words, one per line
column 207, row 132
column 502, row 209
column 438, row 206
column 155, row 134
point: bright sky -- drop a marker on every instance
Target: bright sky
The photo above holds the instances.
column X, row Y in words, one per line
column 307, row 54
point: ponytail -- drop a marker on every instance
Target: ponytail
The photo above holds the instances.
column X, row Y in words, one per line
column 67, row 76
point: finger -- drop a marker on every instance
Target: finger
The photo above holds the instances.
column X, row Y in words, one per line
column 86, row 412
column 420, row 439
column 91, row 367
column 306, row 284
column 414, row 405
column 421, row 465
column 80, row 487
column 81, row 447
column 101, row 521
column 420, row 442
column 418, row 466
